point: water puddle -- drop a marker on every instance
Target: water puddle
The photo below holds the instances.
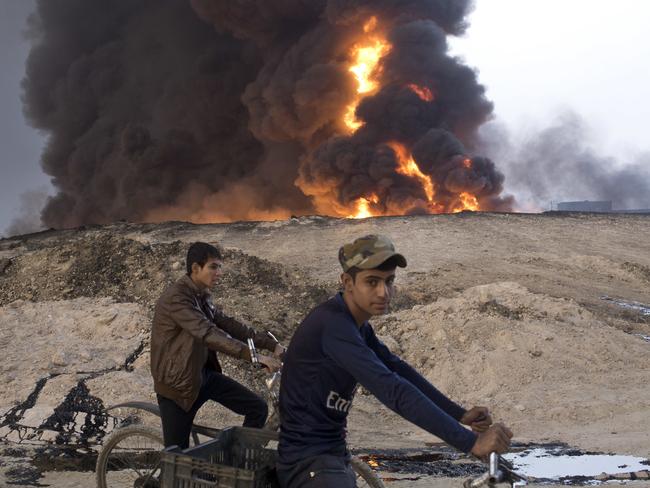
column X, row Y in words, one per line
column 550, row 463
column 636, row 306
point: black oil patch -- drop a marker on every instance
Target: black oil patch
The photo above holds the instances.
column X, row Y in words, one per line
column 13, row 416
column 80, row 419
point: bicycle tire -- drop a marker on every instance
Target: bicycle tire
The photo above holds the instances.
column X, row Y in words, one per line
column 112, row 441
column 365, row 472
column 361, row 469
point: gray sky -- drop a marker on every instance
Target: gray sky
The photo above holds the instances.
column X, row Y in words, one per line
column 21, row 145
column 537, row 58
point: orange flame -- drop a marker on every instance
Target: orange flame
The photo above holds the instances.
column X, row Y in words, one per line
column 371, row 25
column 372, row 206
column 326, row 197
column 365, row 65
column 366, row 56
column 363, row 207
column 467, row 202
column 408, row 167
column 421, row 91
column 470, row 201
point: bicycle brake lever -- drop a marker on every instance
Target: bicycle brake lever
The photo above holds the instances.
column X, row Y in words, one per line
column 268, row 333
column 254, row 359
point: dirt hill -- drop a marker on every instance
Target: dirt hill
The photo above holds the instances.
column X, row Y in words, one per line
column 539, row 317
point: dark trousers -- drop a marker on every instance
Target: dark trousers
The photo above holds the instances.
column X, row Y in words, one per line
column 177, row 423
column 324, row 471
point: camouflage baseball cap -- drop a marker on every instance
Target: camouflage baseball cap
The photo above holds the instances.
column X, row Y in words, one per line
column 369, row 252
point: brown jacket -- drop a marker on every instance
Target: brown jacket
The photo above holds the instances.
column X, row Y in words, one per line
column 187, row 330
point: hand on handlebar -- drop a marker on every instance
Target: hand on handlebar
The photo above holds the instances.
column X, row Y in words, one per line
column 279, row 351
column 478, row 418
column 495, row 439
column 272, row 364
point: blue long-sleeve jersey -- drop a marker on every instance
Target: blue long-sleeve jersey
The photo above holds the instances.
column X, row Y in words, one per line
column 328, row 355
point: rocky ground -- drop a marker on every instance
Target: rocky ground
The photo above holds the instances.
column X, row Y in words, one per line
column 540, row 317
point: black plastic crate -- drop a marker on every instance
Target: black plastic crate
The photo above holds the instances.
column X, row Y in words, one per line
column 238, row 458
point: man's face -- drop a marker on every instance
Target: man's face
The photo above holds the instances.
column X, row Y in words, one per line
column 208, row 275
column 371, row 290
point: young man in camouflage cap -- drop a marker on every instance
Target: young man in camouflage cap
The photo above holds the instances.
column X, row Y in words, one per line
column 333, row 350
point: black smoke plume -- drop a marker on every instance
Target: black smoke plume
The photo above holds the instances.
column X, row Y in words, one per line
column 208, row 110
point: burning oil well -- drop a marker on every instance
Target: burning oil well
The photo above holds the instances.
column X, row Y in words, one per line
column 218, row 111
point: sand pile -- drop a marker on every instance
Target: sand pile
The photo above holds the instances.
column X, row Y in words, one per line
column 100, row 264
column 36, row 340
column 76, row 318
column 75, row 310
column 531, row 357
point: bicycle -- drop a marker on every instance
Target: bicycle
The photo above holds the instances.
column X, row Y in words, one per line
column 500, row 470
column 130, row 456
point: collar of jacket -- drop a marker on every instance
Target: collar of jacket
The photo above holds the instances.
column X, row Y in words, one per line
column 187, row 281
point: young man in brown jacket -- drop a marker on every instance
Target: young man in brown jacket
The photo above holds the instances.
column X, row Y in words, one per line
column 187, row 331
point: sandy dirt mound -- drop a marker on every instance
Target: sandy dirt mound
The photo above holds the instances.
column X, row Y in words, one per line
column 502, row 310
column 45, row 370
column 36, row 340
column 541, row 363
column 102, row 264
column 76, row 316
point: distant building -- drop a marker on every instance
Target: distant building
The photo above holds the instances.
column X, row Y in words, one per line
column 585, row 206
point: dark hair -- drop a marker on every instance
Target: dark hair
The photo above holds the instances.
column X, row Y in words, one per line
column 199, row 253
column 388, row 265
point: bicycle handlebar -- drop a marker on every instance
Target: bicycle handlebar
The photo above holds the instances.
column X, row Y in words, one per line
column 500, row 471
column 253, row 350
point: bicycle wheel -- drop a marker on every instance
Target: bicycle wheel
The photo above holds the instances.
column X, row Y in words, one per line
column 130, row 457
column 366, row 477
